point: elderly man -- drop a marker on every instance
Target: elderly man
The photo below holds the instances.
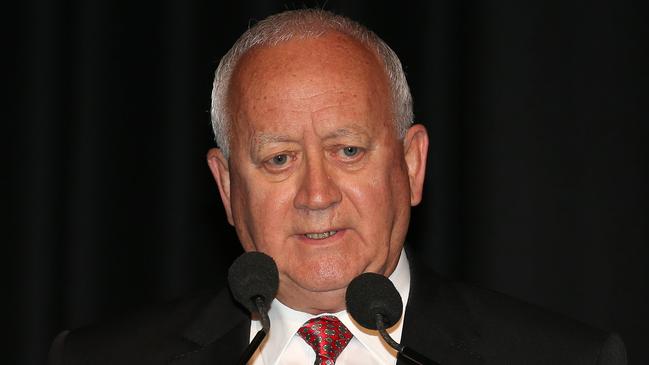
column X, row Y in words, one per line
column 318, row 166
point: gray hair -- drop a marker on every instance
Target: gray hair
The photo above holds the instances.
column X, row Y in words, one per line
column 302, row 24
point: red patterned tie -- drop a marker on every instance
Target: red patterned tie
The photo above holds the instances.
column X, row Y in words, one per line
column 327, row 336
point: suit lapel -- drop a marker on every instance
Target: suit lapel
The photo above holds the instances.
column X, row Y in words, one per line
column 219, row 333
column 437, row 322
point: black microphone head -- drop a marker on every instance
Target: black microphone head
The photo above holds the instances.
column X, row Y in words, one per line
column 369, row 294
column 253, row 274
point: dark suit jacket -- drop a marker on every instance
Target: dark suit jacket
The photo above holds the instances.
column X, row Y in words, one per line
column 449, row 322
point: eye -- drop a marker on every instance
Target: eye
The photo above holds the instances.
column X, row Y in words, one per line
column 279, row 160
column 350, row 151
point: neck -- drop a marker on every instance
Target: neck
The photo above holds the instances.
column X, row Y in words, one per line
column 312, row 302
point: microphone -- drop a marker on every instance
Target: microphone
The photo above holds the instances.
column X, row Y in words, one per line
column 374, row 302
column 254, row 279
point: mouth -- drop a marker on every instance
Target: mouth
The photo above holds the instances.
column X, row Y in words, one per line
column 320, row 236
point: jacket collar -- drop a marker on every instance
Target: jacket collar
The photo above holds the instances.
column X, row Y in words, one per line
column 219, row 333
column 437, row 322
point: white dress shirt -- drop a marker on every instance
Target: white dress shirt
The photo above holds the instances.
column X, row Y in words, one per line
column 283, row 346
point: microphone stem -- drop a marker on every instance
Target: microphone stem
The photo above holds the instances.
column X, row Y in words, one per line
column 261, row 334
column 408, row 355
column 252, row 347
column 380, row 325
column 263, row 312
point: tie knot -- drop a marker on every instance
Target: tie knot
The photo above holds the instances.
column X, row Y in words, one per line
column 327, row 336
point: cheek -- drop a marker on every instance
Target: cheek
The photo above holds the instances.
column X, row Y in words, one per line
column 371, row 201
column 372, row 195
column 381, row 201
column 262, row 208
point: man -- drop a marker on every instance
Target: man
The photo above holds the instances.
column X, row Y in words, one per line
column 318, row 167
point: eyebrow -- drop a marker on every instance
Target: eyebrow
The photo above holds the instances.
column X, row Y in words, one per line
column 345, row 132
column 260, row 140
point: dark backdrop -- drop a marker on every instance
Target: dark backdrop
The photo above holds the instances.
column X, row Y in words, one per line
column 537, row 182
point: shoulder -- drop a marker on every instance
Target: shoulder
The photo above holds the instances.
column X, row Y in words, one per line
column 497, row 328
column 150, row 336
column 508, row 325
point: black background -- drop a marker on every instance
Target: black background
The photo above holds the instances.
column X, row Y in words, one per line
column 537, row 182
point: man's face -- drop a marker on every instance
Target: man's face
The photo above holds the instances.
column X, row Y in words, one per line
column 317, row 177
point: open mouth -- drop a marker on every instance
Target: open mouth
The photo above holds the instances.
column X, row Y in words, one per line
column 320, row 236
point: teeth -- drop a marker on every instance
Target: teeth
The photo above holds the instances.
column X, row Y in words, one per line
column 320, row 236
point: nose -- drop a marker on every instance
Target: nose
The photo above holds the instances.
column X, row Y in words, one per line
column 317, row 190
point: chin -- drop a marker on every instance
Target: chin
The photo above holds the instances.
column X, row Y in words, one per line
column 323, row 277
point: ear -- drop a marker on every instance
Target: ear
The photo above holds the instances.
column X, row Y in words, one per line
column 415, row 146
column 221, row 171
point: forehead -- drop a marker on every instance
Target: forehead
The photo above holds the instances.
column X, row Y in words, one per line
column 324, row 75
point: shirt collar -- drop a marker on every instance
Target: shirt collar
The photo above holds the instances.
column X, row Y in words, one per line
column 286, row 321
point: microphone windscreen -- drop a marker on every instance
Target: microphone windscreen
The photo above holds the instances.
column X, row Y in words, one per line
column 253, row 274
column 369, row 294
